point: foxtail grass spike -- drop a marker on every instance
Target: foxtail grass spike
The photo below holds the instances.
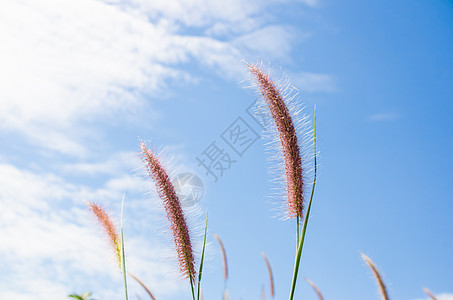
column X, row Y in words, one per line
column 271, row 277
column 313, row 285
column 116, row 240
column 174, row 212
column 224, row 257
column 143, row 285
column 380, row 281
column 431, row 295
column 288, row 139
column 109, row 228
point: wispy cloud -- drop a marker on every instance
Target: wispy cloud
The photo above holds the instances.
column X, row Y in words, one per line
column 271, row 41
column 67, row 66
column 384, row 117
column 313, row 82
column 113, row 164
column 51, row 243
column 201, row 13
column 64, row 65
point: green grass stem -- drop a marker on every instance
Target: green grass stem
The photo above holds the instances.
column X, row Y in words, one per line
column 123, row 257
column 191, row 286
column 304, row 227
column 200, row 272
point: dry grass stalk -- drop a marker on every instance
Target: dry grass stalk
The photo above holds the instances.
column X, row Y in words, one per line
column 143, row 285
column 313, row 285
column 380, row 281
column 271, row 277
column 224, row 257
column 431, row 295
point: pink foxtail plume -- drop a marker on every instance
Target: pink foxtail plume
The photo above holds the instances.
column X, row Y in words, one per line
column 288, row 138
column 174, row 211
column 109, row 228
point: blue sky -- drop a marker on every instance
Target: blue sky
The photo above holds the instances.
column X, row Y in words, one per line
column 82, row 82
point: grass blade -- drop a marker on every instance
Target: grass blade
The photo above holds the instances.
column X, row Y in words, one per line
column 123, row 257
column 200, row 272
column 191, row 286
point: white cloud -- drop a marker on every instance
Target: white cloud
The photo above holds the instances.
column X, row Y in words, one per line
column 310, row 2
column 271, row 41
column 42, row 230
column 313, row 82
column 444, row 296
column 201, row 13
column 112, row 165
column 65, row 64
column 51, row 243
column 384, row 117
column 31, row 288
